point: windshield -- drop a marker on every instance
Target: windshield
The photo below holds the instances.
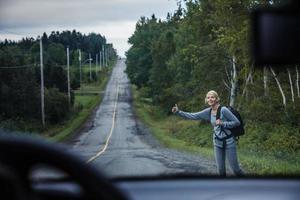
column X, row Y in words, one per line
column 148, row 88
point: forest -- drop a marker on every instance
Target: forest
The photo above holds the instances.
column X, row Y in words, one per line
column 20, row 74
column 205, row 45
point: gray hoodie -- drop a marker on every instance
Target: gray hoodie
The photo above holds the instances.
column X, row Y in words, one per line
column 228, row 121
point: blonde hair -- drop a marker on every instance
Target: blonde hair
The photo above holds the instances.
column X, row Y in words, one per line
column 214, row 94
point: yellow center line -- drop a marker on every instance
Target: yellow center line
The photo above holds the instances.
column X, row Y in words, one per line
column 111, row 129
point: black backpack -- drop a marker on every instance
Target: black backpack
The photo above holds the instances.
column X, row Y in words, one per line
column 236, row 131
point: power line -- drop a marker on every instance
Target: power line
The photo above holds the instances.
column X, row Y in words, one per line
column 33, row 65
column 56, row 66
column 17, row 67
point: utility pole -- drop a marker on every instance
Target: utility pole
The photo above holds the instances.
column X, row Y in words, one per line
column 68, row 65
column 42, row 83
column 106, row 54
column 90, row 67
column 80, row 76
column 96, row 61
column 100, row 60
column 103, row 57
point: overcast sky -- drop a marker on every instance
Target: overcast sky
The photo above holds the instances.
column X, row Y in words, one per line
column 115, row 19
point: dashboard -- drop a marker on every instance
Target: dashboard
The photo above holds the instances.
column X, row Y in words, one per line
column 188, row 189
column 210, row 189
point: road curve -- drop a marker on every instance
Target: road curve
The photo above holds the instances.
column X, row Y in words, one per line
column 121, row 146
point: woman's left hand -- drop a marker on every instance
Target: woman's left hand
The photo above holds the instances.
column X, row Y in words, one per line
column 218, row 122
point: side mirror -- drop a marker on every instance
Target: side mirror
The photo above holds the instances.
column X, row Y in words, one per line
column 276, row 36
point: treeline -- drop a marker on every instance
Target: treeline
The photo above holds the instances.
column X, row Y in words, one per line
column 91, row 43
column 20, row 96
column 204, row 45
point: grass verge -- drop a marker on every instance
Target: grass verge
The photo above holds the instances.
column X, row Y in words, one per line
column 84, row 106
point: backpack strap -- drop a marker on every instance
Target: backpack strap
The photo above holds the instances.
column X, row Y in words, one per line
column 222, row 130
column 218, row 117
column 218, row 112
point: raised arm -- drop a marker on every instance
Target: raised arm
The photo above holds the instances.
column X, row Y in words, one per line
column 202, row 115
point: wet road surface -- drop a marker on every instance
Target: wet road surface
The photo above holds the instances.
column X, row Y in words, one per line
column 119, row 145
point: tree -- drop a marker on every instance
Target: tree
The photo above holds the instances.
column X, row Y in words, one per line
column 57, row 53
column 160, row 75
column 139, row 59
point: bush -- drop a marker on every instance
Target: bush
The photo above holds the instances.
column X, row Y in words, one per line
column 194, row 133
column 293, row 114
column 279, row 141
column 260, row 111
column 75, row 83
column 144, row 92
column 56, row 105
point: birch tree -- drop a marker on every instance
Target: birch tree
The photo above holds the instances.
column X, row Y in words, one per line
column 291, row 84
column 248, row 79
column 233, row 82
column 266, row 80
column 297, row 81
column 231, row 28
column 226, row 82
column 279, row 87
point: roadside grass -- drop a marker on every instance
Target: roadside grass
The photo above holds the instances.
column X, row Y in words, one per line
column 87, row 104
column 262, row 164
column 195, row 137
column 86, row 100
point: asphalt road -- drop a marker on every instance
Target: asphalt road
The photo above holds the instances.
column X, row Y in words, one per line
column 119, row 145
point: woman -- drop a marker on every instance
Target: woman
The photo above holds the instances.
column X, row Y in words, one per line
column 224, row 142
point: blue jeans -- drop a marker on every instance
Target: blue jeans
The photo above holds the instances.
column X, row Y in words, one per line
column 230, row 153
